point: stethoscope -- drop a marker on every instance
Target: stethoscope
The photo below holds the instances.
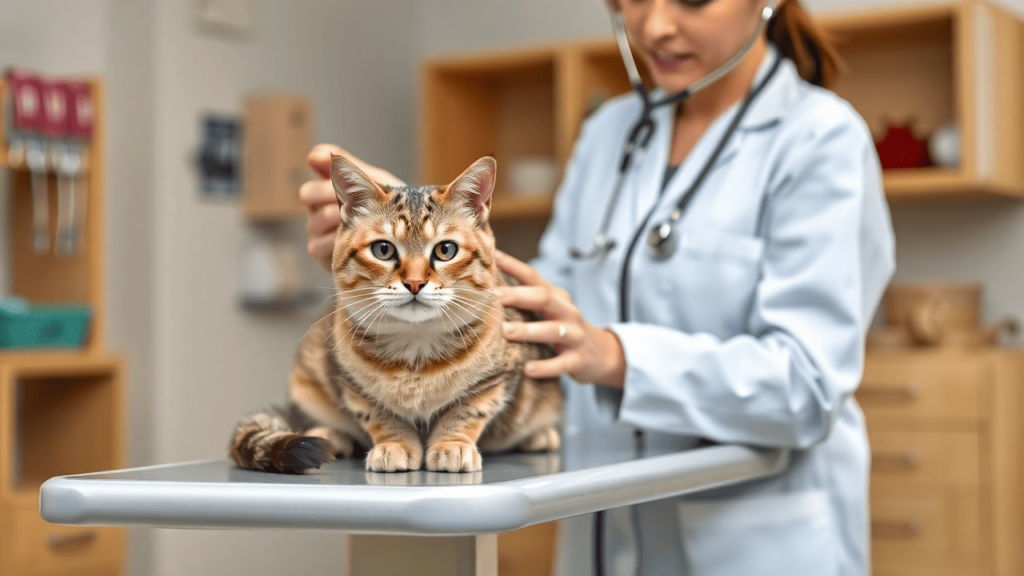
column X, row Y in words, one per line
column 660, row 239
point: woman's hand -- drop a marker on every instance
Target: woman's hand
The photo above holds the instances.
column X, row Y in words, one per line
column 319, row 198
column 585, row 352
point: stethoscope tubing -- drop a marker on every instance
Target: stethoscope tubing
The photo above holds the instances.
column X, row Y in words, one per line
column 641, row 133
column 690, row 192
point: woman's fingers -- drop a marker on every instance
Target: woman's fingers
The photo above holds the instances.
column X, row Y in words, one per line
column 315, row 193
column 518, row 269
column 323, row 221
column 320, row 161
column 322, row 250
column 548, row 332
column 320, row 158
column 547, row 299
column 564, row 363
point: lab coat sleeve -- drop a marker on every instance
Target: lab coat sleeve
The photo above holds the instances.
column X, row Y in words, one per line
column 783, row 382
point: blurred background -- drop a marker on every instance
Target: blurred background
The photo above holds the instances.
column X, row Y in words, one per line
column 177, row 294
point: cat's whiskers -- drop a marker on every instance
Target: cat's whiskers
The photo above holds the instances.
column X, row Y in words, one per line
column 479, row 337
column 491, row 311
column 356, row 326
column 382, row 312
column 373, row 308
column 444, row 311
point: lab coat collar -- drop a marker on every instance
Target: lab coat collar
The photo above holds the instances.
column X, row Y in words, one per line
column 765, row 112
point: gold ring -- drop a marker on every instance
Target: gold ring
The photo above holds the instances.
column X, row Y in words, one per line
column 561, row 330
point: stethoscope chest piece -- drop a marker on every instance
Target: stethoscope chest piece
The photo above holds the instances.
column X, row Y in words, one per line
column 661, row 241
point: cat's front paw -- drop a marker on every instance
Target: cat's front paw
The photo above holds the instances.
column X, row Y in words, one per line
column 454, row 457
column 394, row 457
column 544, row 441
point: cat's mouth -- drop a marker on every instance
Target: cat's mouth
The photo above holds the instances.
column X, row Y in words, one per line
column 414, row 302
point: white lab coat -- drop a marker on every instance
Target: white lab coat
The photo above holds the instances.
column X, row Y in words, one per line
column 751, row 333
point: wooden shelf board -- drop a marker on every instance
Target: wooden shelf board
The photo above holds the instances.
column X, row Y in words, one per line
column 872, row 19
column 58, row 361
column 512, row 207
column 940, row 183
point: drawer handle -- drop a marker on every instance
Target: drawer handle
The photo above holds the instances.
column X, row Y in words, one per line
column 909, row 528
column 908, row 459
column 58, row 541
column 897, row 391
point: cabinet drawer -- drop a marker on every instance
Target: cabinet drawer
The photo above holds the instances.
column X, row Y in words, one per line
column 35, row 546
column 916, row 532
column 910, row 389
column 930, row 458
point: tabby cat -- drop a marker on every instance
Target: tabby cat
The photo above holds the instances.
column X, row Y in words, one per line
column 410, row 364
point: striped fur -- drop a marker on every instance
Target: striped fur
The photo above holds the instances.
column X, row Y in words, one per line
column 409, row 364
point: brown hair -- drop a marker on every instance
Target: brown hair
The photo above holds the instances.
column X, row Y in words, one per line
column 801, row 40
column 804, row 42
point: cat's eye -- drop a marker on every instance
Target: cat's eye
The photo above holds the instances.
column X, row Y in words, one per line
column 383, row 250
column 445, row 251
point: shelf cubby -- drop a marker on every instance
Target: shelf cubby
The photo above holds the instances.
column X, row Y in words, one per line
column 47, row 278
column 62, row 415
column 957, row 62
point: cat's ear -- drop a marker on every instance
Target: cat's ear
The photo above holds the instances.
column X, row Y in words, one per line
column 353, row 187
column 475, row 187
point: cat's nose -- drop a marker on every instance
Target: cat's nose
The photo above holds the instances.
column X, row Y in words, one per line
column 414, row 285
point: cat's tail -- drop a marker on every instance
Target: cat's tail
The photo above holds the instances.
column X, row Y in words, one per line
column 266, row 442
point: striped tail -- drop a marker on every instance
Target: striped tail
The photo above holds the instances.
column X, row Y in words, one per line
column 266, row 442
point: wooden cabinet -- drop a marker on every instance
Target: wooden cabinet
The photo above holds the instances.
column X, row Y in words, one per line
column 61, row 411
column 947, row 478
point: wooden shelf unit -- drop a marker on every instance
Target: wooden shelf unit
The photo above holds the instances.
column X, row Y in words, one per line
column 947, row 464
column 958, row 62
column 61, row 410
column 45, row 278
column 60, row 413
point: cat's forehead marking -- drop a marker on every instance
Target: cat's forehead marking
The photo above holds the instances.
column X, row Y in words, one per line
column 401, row 227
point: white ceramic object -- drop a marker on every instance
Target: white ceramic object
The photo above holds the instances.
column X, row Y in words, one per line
column 269, row 272
column 533, row 175
column 944, row 146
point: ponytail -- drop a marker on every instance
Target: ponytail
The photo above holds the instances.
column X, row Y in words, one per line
column 801, row 40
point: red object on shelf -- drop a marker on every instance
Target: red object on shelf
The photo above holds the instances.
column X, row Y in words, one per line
column 56, row 120
column 899, row 148
column 27, row 100
column 81, row 113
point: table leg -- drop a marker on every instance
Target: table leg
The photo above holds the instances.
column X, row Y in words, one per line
column 423, row 555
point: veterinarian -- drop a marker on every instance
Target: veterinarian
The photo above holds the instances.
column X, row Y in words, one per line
column 710, row 271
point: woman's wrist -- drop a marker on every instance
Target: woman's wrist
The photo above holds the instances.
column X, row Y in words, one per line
column 612, row 360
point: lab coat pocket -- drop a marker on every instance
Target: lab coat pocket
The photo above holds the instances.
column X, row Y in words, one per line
column 721, row 246
column 790, row 534
column 709, row 281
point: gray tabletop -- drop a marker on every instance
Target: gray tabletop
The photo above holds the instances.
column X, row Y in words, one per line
column 512, row 491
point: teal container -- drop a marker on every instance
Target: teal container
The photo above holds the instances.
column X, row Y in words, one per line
column 45, row 326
